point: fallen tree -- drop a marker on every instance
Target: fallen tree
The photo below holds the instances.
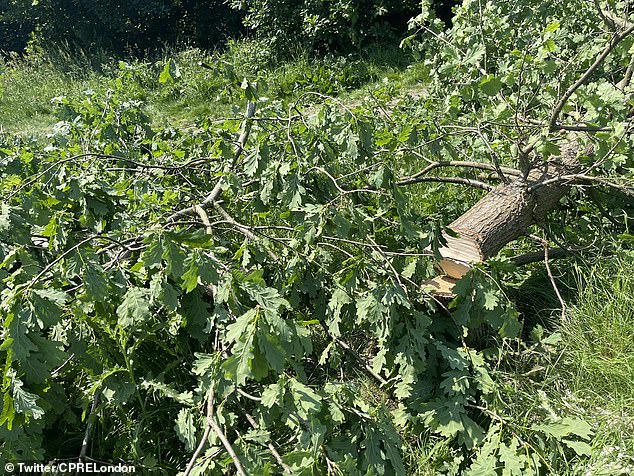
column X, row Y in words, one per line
column 527, row 194
column 506, row 213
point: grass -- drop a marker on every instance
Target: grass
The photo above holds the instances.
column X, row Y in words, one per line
column 600, row 330
column 588, row 373
column 202, row 84
column 27, row 87
column 598, row 360
column 427, row 455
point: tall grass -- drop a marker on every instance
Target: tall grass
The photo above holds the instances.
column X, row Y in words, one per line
column 586, row 370
column 599, row 332
column 204, row 83
column 598, row 360
column 27, row 86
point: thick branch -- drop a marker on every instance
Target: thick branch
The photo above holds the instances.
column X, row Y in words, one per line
column 539, row 256
column 460, row 163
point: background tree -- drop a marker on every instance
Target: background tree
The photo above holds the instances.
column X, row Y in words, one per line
column 16, row 23
column 117, row 26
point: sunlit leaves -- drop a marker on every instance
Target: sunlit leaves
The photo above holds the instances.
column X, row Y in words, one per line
column 26, row 402
column 185, row 429
column 490, row 85
column 134, row 310
column 242, row 333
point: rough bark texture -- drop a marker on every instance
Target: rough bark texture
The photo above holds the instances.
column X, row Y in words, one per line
column 505, row 213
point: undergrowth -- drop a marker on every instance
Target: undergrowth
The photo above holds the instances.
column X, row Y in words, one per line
column 180, row 87
column 584, row 368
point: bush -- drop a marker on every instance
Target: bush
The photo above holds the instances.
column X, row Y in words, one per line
column 342, row 25
column 115, row 25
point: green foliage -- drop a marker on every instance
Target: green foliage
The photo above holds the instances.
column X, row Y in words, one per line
column 146, row 267
column 556, row 393
column 196, row 83
column 341, row 26
column 114, row 285
column 114, row 25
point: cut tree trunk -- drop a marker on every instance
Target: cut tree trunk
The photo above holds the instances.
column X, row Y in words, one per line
column 503, row 215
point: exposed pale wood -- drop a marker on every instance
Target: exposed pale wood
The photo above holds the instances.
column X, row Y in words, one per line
column 505, row 213
column 441, row 286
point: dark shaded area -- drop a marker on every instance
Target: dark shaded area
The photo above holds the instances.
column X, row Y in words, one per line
column 536, row 299
column 117, row 26
column 444, row 10
column 16, row 24
column 138, row 27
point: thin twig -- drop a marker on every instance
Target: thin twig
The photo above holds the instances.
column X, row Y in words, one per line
column 243, row 229
column 338, row 187
column 203, row 440
column 228, row 447
column 546, row 246
column 48, row 267
column 212, row 425
column 536, row 256
column 494, row 157
column 625, row 82
column 378, row 249
column 91, row 421
column 581, row 178
column 345, row 346
column 248, row 395
column 97, row 156
column 204, row 218
column 212, row 197
column 271, row 447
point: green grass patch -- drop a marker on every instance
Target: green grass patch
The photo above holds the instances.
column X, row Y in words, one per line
column 599, row 332
column 598, row 360
column 182, row 87
column 27, row 87
column 583, row 370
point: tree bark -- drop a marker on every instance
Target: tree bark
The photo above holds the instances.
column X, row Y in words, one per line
column 506, row 213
